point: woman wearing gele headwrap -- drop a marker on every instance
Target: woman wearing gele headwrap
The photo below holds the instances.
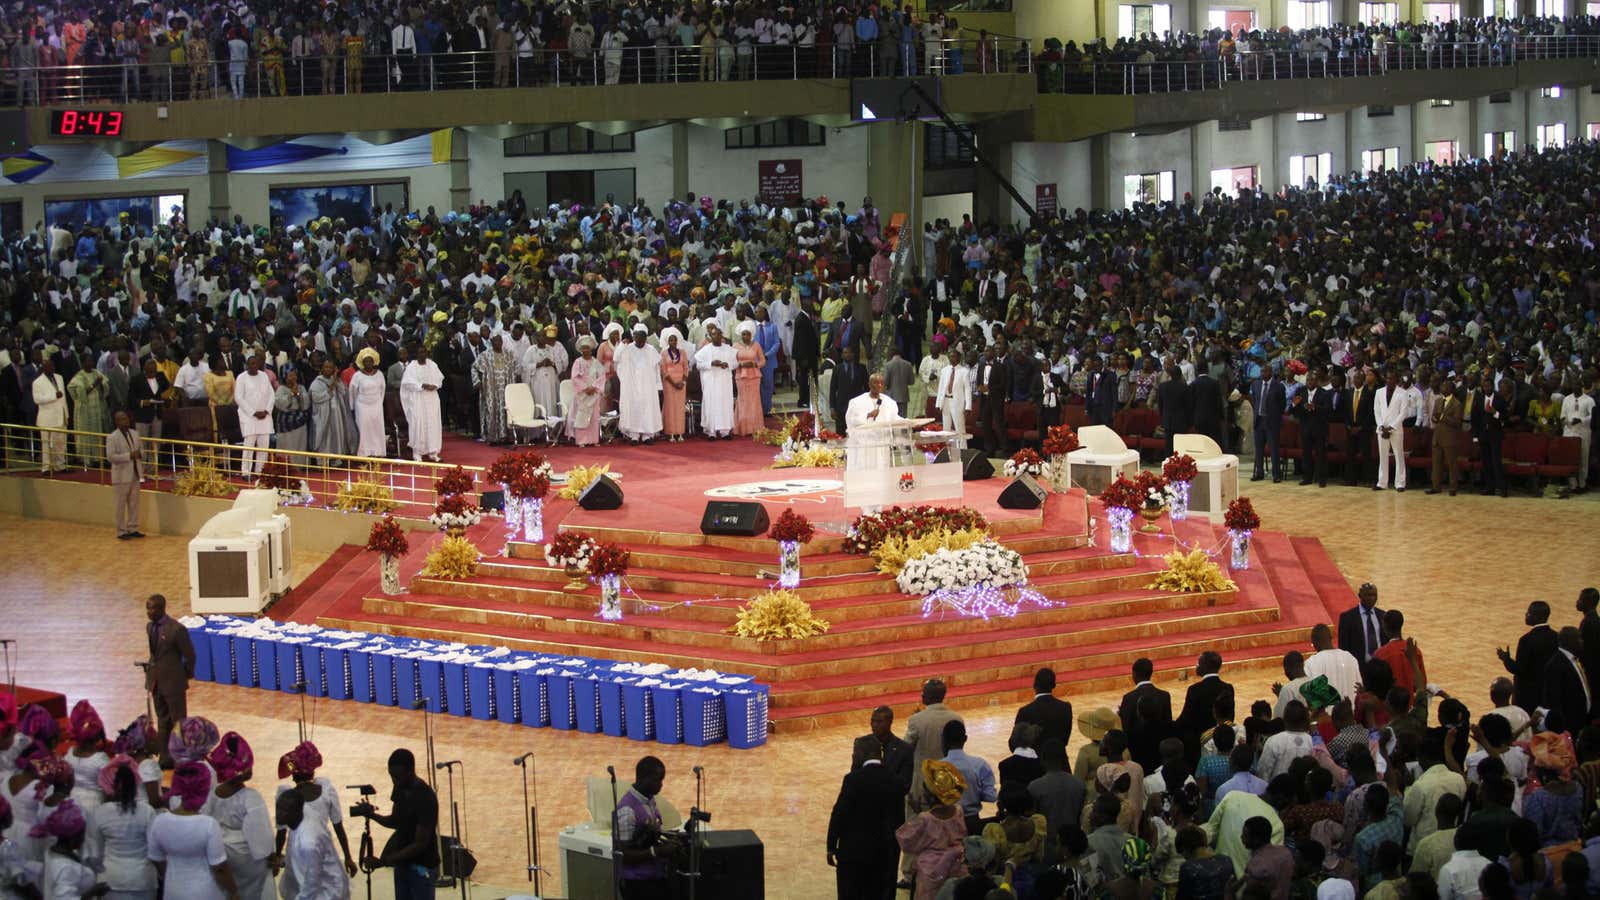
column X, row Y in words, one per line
column 117, row 844
column 246, row 827
column 87, row 756
column 65, row 876
column 18, row 792
column 186, row 845
column 300, row 765
column 135, row 743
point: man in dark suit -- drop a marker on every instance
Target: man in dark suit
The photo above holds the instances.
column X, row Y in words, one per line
column 1206, row 406
column 1127, row 710
column 1589, row 627
column 846, row 334
column 1566, row 686
column 861, row 842
column 990, row 385
column 1267, row 398
column 1054, row 717
column 1200, row 701
column 1315, row 407
column 1361, row 626
column 167, row 673
column 849, row 382
column 1172, row 399
column 1534, row 652
column 1100, row 393
column 806, row 351
column 145, row 399
column 1360, row 428
column 884, row 746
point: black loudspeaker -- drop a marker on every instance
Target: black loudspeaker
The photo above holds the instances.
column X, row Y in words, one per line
column 975, row 466
column 742, row 518
column 492, row 501
column 602, row 493
column 1022, row 493
column 732, row 864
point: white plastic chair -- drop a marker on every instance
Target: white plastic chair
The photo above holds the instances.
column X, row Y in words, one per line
column 521, row 411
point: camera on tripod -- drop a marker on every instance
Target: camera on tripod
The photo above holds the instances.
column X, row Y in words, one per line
column 364, row 806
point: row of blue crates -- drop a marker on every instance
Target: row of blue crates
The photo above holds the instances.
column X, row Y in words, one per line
column 538, row 690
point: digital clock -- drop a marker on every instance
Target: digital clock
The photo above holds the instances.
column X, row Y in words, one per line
column 85, row 123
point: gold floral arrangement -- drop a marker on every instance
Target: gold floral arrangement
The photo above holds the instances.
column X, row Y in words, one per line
column 454, row 558
column 776, row 616
column 898, row 549
column 1191, row 573
column 365, row 493
column 579, row 478
column 810, row 457
column 774, row 437
column 203, row 478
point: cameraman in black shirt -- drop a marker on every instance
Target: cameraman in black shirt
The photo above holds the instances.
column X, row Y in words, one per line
column 413, row 849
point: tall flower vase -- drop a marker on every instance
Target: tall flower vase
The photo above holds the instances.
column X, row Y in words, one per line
column 389, row 573
column 1121, row 520
column 788, row 564
column 532, row 519
column 513, row 513
column 1060, row 473
column 611, row 597
column 1178, row 510
column 1239, row 540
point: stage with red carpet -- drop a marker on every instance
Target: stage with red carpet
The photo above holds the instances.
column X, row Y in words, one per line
column 684, row 589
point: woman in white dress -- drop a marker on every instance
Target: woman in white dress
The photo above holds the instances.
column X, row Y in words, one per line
column 134, row 743
column 87, row 756
column 367, row 389
column 12, row 740
column 18, row 793
column 246, row 827
column 65, row 876
column 321, row 804
column 186, row 845
column 118, row 841
column 192, row 741
column 16, row 871
column 53, row 787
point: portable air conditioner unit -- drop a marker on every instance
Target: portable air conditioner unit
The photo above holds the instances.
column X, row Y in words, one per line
column 230, row 565
column 262, row 506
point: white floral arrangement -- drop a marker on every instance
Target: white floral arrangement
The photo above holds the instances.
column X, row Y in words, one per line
column 1039, row 470
column 466, row 519
column 1158, row 497
column 986, row 563
column 578, row 559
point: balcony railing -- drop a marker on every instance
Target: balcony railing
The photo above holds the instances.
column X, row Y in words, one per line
column 391, row 73
column 1205, row 75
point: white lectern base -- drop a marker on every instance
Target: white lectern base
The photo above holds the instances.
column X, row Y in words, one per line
column 888, row 487
column 1216, row 486
column 1094, row 472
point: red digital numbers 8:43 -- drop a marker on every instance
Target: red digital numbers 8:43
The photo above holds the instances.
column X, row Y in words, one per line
column 86, row 123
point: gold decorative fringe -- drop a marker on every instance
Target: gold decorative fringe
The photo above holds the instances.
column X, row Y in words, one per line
column 366, row 493
column 776, row 616
column 898, row 549
column 812, row 457
column 203, row 479
column 456, row 557
column 580, row 477
column 1191, row 573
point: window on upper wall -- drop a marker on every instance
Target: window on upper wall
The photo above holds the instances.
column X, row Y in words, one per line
column 1441, row 12
column 1310, row 14
column 1310, row 117
column 1135, row 19
column 777, row 133
column 1378, row 112
column 1234, row 179
column 943, row 148
column 1549, row 136
column 1500, row 9
column 1500, row 97
column 1310, row 168
column 1380, row 160
column 1498, row 142
column 1442, row 104
column 1551, row 8
column 1442, row 152
column 1593, row 130
column 1233, row 123
column 1150, row 187
column 1378, row 13
column 570, row 139
column 1553, row 92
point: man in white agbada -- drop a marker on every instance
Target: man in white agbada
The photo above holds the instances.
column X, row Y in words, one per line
column 639, row 375
column 309, row 854
column 367, row 389
column 716, row 362
column 419, row 395
column 50, row 396
column 869, row 448
column 542, row 367
column 254, row 395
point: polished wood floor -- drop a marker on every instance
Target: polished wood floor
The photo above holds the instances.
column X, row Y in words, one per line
column 1462, row 569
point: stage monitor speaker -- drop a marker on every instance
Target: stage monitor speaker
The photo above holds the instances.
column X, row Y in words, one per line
column 975, row 465
column 742, row 518
column 1022, row 493
column 602, row 493
column 732, row 864
column 492, row 501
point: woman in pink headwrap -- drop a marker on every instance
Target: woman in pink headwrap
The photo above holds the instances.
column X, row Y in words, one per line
column 191, row 740
column 134, row 743
column 300, row 765
column 18, row 792
column 87, row 756
column 246, row 827
column 65, row 876
column 15, row 868
column 12, row 741
column 186, row 845
column 117, row 842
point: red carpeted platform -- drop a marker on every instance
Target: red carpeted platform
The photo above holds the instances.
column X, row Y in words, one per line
column 684, row 591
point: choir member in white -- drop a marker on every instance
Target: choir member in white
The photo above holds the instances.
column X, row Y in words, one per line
column 419, row 394
column 309, row 852
column 716, row 361
column 367, row 389
column 254, row 395
column 639, row 376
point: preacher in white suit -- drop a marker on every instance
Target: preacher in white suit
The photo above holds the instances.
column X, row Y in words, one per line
column 1390, row 406
column 124, row 450
column 953, row 396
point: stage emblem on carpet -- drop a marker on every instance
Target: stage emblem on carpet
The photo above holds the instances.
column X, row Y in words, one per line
column 788, row 489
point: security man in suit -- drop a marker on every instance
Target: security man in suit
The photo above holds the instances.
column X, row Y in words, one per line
column 125, row 451
column 1172, row 399
column 806, row 351
column 1361, row 626
column 1053, row 716
column 884, row 746
column 167, row 674
column 849, row 382
column 1267, row 398
column 1315, row 407
column 1207, row 405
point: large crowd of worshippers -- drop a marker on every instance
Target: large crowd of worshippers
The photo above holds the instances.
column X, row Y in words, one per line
column 1355, row 778
column 1460, row 298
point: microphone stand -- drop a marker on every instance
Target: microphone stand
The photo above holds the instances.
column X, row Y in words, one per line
column 696, row 822
column 454, row 876
column 149, row 711
column 616, row 851
column 530, row 824
column 300, row 688
column 427, row 739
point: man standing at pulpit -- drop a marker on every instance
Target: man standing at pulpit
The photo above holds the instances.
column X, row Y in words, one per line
column 869, row 449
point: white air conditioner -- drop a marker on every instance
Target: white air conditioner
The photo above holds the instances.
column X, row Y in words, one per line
column 230, row 574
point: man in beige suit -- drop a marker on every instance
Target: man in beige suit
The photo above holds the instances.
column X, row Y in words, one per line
column 925, row 734
column 127, row 465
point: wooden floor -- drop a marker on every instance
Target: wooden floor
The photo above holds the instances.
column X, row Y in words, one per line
column 1461, row 568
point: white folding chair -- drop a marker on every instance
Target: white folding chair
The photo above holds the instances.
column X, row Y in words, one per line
column 566, row 392
column 521, row 412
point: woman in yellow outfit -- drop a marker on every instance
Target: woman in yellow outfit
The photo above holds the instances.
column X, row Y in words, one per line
column 355, row 49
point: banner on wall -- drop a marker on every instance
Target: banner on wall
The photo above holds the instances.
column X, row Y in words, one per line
column 1045, row 202
column 53, row 164
column 319, row 154
column 780, row 179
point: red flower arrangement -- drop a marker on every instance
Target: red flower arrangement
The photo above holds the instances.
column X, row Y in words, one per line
column 1122, row 493
column 804, row 429
column 1060, row 440
column 1147, row 482
column 528, row 485
column 453, row 482
column 868, row 531
column 508, row 465
column 1241, row 516
column 791, row 526
column 1027, row 456
column 388, row 538
column 566, row 544
column 1180, row 468
column 826, row 435
column 275, row 476
column 454, row 505
column 608, row 559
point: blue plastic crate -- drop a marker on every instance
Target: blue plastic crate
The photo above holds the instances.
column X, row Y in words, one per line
column 360, row 659
column 484, row 700
column 507, row 695
column 311, row 670
column 638, row 712
column 586, row 704
column 456, row 690
column 666, row 701
column 745, row 710
column 289, row 666
column 384, row 691
column 431, row 675
column 704, row 719
column 336, row 673
column 613, row 707
column 561, row 692
column 407, row 687
column 201, row 639
column 266, row 662
column 222, row 659
column 535, row 692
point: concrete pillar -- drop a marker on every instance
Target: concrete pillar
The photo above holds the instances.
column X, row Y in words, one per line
column 1199, row 174
column 217, row 178
column 680, row 159
column 1100, row 193
column 1352, row 159
column 894, row 173
column 1474, row 148
column 1268, row 178
column 460, row 177
column 990, row 200
column 1417, row 149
